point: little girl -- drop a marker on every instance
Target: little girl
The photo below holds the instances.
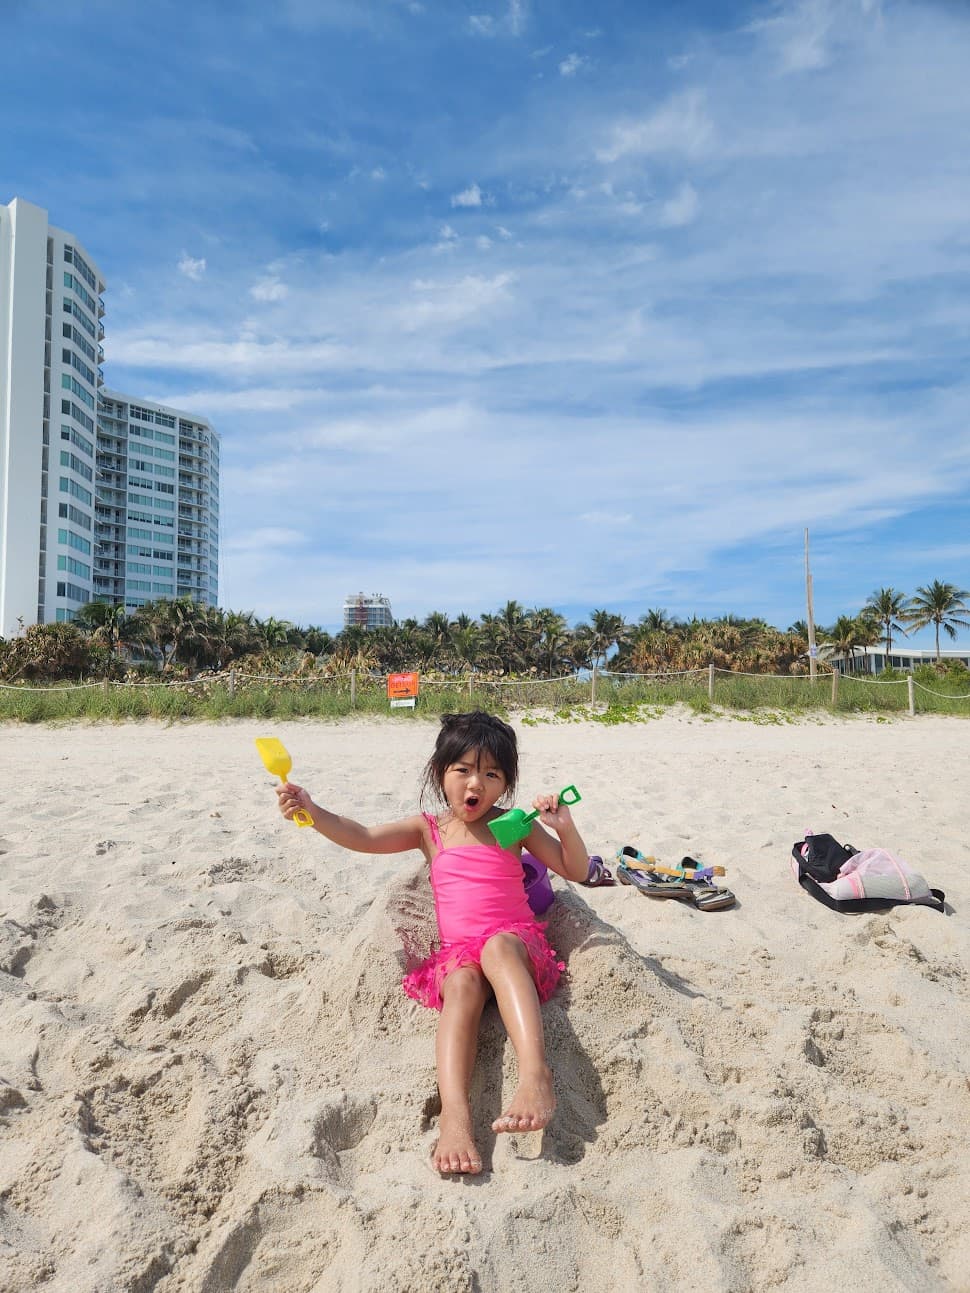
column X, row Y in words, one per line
column 490, row 941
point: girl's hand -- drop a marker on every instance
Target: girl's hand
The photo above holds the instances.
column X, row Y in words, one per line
column 552, row 813
column 292, row 799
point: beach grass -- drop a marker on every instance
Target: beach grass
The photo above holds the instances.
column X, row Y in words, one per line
column 610, row 699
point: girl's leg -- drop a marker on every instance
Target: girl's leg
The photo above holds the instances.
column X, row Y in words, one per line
column 506, row 965
column 464, row 993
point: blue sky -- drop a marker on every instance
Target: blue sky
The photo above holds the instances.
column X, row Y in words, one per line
column 582, row 305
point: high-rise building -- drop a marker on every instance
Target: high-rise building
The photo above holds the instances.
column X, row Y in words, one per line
column 90, row 487
column 157, row 504
column 50, row 356
column 370, row 611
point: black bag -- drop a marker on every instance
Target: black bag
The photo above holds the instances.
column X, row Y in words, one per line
column 876, row 880
column 821, row 856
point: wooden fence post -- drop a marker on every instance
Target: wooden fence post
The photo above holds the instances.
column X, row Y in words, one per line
column 912, row 695
column 710, row 682
column 835, row 687
column 592, row 689
column 232, row 683
column 353, row 689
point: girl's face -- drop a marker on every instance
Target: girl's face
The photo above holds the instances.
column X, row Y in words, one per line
column 472, row 785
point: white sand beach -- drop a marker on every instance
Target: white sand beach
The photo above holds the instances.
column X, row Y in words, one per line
column 210, row 1079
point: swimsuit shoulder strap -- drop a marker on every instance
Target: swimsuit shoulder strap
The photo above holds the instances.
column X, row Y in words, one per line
column 433, row 827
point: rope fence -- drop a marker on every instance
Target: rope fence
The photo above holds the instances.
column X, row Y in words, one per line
column 599, row 687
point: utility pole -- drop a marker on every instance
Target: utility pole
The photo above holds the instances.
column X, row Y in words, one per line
column 812, row 648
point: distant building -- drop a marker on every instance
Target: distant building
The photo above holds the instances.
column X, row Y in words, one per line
column 906, row 659
column 157, row 504
column 368, row 611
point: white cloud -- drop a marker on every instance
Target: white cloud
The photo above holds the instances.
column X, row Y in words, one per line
column 571, row 64
column 269, row 289
column 470, row 197
column 681, row 125
column 190, row 267
column 512, row 23
column 681, row 209
column 378, row 173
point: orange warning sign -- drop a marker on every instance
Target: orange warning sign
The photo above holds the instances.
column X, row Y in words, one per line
column 402, row 686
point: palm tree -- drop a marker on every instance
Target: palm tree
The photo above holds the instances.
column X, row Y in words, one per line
column 551, row 639
column 437, row 634
column 171, row 627
column 275, row 633
column 941, row 605
column 657, row 620
column 605, row 630
column 104, row 622
column 888, row 606
column 848, row 635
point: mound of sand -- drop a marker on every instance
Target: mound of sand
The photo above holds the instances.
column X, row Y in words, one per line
column 210, row 1079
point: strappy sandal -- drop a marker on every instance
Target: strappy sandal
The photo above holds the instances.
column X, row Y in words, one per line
column 706, row 896
column 599, row 875
column 634, row 869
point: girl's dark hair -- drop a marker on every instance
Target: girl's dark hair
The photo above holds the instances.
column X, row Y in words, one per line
column 477, row 731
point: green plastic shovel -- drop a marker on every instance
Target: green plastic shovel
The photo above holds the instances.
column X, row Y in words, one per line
column 516, row 823
column 277, row 761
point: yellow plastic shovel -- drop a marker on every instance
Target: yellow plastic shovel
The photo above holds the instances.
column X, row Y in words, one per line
column 277, row 761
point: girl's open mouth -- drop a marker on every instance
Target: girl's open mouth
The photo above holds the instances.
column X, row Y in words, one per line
column 471, row 802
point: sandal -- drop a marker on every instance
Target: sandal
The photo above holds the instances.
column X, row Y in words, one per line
column 633, row 868
column 599, row 875
column 707, row 896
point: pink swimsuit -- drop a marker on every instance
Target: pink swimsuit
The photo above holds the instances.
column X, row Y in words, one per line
column 479, row 891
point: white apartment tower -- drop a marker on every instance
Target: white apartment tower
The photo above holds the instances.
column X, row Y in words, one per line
column 50, row 352
column 157, row 507
column 102, row 496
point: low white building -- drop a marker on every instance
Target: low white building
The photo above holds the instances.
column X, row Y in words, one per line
column 906, row 659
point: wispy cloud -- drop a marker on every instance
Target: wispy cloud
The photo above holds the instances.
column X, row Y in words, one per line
column 469, row 197
column 571, row 64
column 511, row 22
column 680, row 126
column 269, row 289
column 680, row 209
column 190, row 267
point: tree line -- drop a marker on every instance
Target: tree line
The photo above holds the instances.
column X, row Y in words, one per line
column 183, row 637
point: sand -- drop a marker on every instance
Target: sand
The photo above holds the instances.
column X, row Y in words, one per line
column 210, row 1079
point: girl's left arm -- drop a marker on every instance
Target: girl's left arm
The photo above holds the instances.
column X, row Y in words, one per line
column 567, row 855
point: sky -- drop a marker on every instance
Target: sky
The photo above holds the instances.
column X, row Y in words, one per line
column 589, row 306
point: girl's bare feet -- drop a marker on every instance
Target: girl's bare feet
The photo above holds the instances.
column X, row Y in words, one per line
column 532, row 1106
column 456, row 1150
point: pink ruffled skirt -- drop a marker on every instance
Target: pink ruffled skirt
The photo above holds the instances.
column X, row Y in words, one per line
column 423, row 984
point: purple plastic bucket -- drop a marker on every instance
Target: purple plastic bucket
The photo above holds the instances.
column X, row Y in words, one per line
column 538, row 886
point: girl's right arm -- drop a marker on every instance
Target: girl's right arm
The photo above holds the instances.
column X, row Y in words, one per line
column 390, row 837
